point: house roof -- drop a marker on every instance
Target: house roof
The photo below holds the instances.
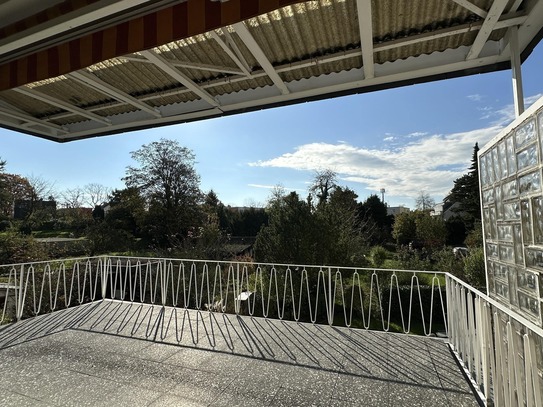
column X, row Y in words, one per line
column 86, row 68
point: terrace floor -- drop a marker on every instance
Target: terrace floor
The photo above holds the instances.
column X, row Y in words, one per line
column 124, row 354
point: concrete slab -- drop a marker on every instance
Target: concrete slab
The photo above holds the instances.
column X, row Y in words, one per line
column 116, row 353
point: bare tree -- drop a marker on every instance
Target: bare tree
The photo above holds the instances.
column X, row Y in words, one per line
column 324, row 182
column 95, row 194
column 73, row 198
column 42, row 188
column 425, row 202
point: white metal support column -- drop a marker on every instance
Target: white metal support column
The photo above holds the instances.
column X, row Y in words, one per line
column 516, row 70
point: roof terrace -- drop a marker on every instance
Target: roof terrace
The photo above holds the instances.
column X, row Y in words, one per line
column 150, row 332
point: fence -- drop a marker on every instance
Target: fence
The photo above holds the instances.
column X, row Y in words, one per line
column 403, row 301
column 500, row 351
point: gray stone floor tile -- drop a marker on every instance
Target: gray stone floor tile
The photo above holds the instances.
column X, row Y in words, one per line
column 288, row 398
column 118, row 353
column 10, row 399
column 356, row 389
column 170, row 400
column 127, row 395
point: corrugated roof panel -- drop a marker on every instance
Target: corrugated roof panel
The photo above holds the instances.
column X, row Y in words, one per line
column 72, row 92
column 29, row 104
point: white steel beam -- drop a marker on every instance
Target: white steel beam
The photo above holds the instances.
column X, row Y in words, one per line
column 472, row 7
column 262, row 59
column 59, row 103
column 491, row 19
column 104, row 87
column 168, row 68
column 234, row 55
column 516, row 71
column 365, row 27
column 29, row 120
column 507, row 20
column 191, row 65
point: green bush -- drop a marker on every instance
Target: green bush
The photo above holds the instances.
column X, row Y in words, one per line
column 18, row 248
column 378, row 256
column 474, row 268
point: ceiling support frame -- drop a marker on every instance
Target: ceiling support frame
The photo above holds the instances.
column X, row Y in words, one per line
column 234, row 53
column 109, row 90
column 496, row 10
column 471, row 7
column 163, row 64
column 259, row 55
column 31, row 121
column 516, row 71
column 365, row 26
column 63, row 105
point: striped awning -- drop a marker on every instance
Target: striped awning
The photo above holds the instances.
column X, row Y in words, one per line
column 181, row 20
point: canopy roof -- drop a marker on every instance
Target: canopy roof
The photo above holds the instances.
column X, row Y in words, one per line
column 85, row 68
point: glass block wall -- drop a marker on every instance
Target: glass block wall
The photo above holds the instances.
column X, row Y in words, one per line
column 510, row 171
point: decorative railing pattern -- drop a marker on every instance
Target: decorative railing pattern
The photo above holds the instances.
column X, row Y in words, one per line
column 500, row 351
column 402, row 301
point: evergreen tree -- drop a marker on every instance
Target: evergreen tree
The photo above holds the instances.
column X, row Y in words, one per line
column 465, row 193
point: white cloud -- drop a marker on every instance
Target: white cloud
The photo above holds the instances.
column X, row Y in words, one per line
column 505, row 115
column 475, row 98
column 417, row 134
column 422, row 164
column 389, row 138
column 274, row 187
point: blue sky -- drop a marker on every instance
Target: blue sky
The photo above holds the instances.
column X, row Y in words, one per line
column 406, row 140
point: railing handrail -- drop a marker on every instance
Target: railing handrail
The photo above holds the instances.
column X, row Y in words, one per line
column 291, row 265
column 510, row 313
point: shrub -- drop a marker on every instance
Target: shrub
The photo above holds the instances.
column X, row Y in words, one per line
column 18, row 248
column 378, row 256
column 474, row 268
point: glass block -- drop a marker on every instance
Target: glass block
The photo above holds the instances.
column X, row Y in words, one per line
column 526, row 221
column 496, row 164
column 493, row 231
column 482, row 171
column 527, row 158
column 537, row 219
column 507, row 253
column 511, row 211
column 513, row 286
column 534, row 258
column 490, row 278
column 511, row 158
column 530, row 183
column 499, row 202
column 529, row 304
column 492, row 250
column 486, row 223
column 527, row 281
column 517, row 243
column 505, row 233
column 510, row 190
column 501, row 272
column 502, row 156
column 488, row 196
column 502, row 290
column 525, row 134
column 489, row 168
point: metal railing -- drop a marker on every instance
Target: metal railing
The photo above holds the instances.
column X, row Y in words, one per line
column 501, row 352
column 401, row 301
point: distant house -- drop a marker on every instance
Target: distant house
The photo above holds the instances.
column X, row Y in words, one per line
column 396, row 210
column 22, row 208
column 447, row 210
